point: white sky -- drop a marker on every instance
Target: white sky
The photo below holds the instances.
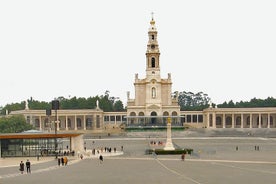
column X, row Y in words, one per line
column 81, row 48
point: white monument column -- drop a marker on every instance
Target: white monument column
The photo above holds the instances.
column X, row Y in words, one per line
column 169, row 144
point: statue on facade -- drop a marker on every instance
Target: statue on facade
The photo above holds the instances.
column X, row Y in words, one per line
column 97, row 104
column 26, row 105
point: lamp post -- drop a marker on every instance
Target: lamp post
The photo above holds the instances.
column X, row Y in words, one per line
column 55, row 106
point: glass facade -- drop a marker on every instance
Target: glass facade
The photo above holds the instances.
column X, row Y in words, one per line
column 29, row 147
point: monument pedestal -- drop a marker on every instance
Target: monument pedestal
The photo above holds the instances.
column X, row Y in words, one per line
column 169, row 144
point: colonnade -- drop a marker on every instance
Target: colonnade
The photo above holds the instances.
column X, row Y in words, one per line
column 220, row 119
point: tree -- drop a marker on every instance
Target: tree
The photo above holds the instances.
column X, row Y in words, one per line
column 269, row 102
column 118, row 106
column 189, row 101
column 14, row 124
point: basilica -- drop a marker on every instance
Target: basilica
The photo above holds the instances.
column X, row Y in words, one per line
column 152, row 106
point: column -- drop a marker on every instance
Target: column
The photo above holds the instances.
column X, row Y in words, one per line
column 251, row 120
column 169, row 144
column 260, row 120
column 268, row 120
column 84, row 122
column 242, row 123
column 208, row 120
column 214, row 120
column 223, row 120
column 58, row 123
column 76, row 128
column 66, row 122
column 233, row 120
column 40, row 123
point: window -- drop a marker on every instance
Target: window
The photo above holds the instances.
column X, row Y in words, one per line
column 78, row 122
column 69, row 122
column 98, row 122
column 152, row 37
column 153, row 93
column 153, row 62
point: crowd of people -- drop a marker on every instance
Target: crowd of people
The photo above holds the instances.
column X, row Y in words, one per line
column 62, row 161
column 156, row 143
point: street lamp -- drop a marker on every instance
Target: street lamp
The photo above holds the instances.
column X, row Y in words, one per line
column 55, row 106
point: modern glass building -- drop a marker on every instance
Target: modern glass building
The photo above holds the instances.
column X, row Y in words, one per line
column 34, row 144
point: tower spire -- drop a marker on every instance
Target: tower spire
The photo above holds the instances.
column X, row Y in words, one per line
column 152, row 54
column 152, row 22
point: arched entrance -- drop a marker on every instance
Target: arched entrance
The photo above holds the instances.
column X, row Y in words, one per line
column 153, row 117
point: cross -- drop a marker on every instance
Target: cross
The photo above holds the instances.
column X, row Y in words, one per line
column 152, row 15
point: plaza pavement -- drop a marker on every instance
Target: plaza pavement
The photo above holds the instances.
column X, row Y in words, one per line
column 215, row 160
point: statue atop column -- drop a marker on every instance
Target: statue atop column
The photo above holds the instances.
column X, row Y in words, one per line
column 97, row 104
column 26, row 105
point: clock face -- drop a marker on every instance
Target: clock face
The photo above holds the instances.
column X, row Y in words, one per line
column 152, row 46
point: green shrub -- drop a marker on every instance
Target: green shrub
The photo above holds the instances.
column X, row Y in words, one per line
column 169, row 152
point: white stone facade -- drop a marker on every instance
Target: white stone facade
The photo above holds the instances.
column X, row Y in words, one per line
column 153, row 95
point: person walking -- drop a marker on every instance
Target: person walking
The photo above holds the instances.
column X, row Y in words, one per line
column 183, row 156
column 28, row 166
column 58, row 161
column 101, row 159
column 21, row 167
column 65, row 160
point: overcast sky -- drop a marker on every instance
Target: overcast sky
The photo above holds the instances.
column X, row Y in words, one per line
column 52, row 48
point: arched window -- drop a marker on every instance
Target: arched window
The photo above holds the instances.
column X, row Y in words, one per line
column 228, row 121
column 165, row 118
column 152, row 37
column 88, row 122
column 69, row 123
column 46, row 122
column 141, row 118
column 238, row 121
column 132, row 119
column 153, row 117
column 37, row 123
column 153, row 62
column 248, row 121
column 174, row 117
column 78, row 122
column 153, row 93
column 271, row 121
column 218, row 121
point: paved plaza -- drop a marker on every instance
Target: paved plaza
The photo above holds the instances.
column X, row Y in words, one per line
column 215, row 160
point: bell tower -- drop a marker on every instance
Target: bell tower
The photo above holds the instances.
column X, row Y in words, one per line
column 153, row 100
column 152, row 53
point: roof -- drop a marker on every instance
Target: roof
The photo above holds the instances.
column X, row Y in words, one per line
column 37, row 135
